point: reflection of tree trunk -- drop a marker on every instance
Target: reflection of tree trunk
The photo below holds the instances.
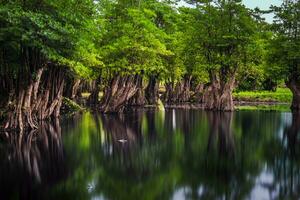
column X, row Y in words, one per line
column 39, row 153
column 152, row 91
column 119, row 130
column 294, row 86
column 292, row 132
column 117, row 94
column 218, row 95
column 221, row 133
column 151, row 125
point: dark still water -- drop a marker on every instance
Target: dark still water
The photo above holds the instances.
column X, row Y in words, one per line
column 175, row 154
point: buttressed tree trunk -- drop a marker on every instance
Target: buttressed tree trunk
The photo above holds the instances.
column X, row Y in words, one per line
column 71, row 88
column 118, row 92
column 218, row 95
column 152, row 91
column 294, row 85
column 180, row 93
column 35, row 99
column 138, row 98
column 198, row 93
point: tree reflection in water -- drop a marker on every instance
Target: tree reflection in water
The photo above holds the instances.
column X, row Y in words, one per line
column 30, row 160
column 284, row 163
column 176, row 154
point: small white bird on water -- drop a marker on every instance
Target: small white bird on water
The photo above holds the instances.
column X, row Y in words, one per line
column 122, row 140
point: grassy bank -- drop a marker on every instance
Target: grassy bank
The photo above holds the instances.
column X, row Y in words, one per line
column 280, row 100
column 282, row 95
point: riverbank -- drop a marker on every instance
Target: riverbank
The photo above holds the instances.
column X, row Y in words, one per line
column 278, row 100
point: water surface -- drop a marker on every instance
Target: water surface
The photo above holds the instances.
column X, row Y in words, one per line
column 175, row 154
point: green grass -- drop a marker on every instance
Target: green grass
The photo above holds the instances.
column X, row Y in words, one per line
column 279, row 107
column 281, row 95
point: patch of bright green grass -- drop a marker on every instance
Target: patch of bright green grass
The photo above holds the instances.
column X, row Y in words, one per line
column 278, row 107
column 281, row 95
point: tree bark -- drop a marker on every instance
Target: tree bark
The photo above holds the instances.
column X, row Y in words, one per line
column 198, row 92
column 218, row 95
column 138, row 98
column 118, row 93
column 294, row 85
column 72, row 88
column 35, row 99
column 152, row 91
column 93, row 99
column 178, row 94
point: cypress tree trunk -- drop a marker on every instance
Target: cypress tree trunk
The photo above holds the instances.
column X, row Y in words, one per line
column 184, row 89
column 218, row 95
column 198, row 90
column 35, row 99
column 118, row 93
column 294, row 85
column 138, row 98
column 93, row 99
column 151, row 92
column 168, row 95
column 178, row 94
column 72, row 88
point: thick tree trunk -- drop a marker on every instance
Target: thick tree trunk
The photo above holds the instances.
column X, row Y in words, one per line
column 198, row 90
column 167, row 96
column 185, row 89
column 117, row 94
column 72, row 88
column 35, row 99
column 152, row 91
column 138, row 98
column 218, row 95
column 180, row 93
column 93, row 99
column 294, row 85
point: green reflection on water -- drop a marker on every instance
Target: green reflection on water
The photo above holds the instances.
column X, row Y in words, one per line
column 179, row 154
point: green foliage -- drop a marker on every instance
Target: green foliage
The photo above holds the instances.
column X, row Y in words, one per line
column 284, row 48
column 132, row 43
column 58, row 31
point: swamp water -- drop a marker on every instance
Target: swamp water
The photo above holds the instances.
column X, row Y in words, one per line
column 173, row 154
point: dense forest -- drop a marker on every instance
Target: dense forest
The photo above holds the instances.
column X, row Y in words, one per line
column 127, row 53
